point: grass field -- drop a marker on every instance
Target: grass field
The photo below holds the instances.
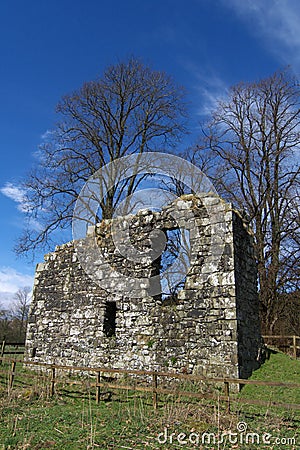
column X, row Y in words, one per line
column 72, row 420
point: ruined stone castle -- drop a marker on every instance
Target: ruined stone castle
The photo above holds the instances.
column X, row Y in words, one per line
column 209, row 326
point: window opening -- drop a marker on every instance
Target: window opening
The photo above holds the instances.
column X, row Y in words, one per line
column 109, row 324
column 175, row 263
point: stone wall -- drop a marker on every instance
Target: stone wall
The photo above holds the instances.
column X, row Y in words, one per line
column 211, row 328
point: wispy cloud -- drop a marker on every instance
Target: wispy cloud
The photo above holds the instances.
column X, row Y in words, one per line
column 208, row 88
column 211, row 89
column 277, row 22
column 17, row 194
column 10, row 281
column 47, row 135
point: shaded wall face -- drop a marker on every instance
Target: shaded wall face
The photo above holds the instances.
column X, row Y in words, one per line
column 247, row 303
column 74, row 321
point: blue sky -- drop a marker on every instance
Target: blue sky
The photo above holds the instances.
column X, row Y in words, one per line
column 48, row 49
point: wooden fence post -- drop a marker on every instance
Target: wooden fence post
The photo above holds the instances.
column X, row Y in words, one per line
column 98, row 387
column 295, row 346
column 12, row 374
column 226, row 386
column 52, row 386
column 2, row 350
column 154, row 383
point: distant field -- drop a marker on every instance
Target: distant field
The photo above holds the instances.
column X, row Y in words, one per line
column 72, row 420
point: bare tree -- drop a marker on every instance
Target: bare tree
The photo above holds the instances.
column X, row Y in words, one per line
column 254, row 136
column 19, row 311
column 131, row 109
column 178, row 252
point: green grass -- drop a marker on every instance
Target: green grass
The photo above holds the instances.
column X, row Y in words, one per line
column 279, row 367
column 72, row 420
column 70, row 424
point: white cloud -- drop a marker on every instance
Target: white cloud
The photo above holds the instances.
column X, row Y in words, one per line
column 208, row 87
column 14, row 192
column 276, row 21
column 212, row 89
column 17, row 194
column 47, row 135
column 10, row 281
column 6, row 300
